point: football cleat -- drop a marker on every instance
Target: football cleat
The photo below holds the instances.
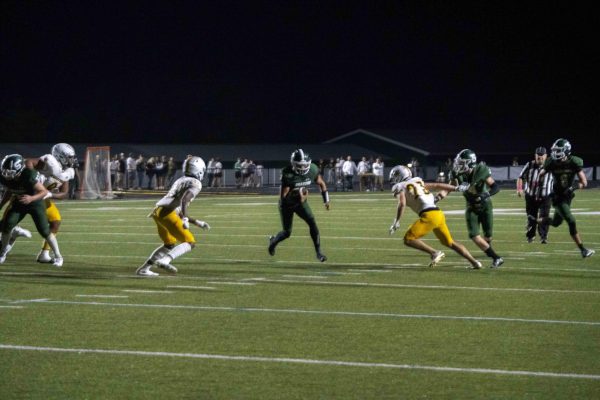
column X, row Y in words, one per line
column 272, row 245
column 585, row 253
column 529, row 240
column 544, row 241
column 44, row 257
column 497, row 262
column 436, row 258
column 321, row 257
column 57, row 262
column 477, row 265
column 165, row 263
column 2, row 258
column 20, row 232
column 144, row 270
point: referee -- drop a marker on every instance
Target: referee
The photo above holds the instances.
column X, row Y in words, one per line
column 537, row 194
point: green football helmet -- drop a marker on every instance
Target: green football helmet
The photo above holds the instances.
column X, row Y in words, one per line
column 561, row 149
column 12, row 166
column 300, row 162
column 400, row 173
column 464, row 161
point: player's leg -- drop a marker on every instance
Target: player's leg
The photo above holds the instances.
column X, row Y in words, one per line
column 442, row 232
column 473, row 220
column 174, row 225
column 544, row 212
column 38, row 214
column 11, row 218
column 306, row 214
column 54, row 219
column 286, row 214
column 564, row 210
column 420, row 228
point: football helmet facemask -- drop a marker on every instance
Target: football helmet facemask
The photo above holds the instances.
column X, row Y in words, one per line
column 561, row 149
column 194, row 167
column 464, row 161
column 12, row 166
column 64, row 153
column 400, row 173
column 300, row 162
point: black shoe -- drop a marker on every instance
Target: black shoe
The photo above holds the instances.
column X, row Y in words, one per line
column 497, row 262
column 272, row 245
column 544, row 241
column 585, row 253
column 321, row 257
column 529, row 240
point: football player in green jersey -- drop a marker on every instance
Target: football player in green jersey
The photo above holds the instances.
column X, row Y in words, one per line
column 26, row 195
column 564, row 167
column 293, row 194
column 479, row 186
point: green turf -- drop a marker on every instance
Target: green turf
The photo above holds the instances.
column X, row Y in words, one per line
column 373, row 322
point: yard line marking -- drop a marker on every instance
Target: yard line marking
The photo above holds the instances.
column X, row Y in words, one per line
column 108, row 296
column 304, row 276
column 286, row 360
column 323, row 312
column 232, row 283
column 146, row 291
column 400, row 285
column 29, row 301
column 11, row 306
column 192, row 287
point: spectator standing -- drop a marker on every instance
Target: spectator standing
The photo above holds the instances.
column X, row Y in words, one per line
column 237, row 168
column 348, row 170
column 538, row 191
column 114, row 165
column 362, row 170
column 161, row 171
column 140, row 169
column 122, row 167
column 171, row 172
column 339, row 174
column 75, row 181
column 331, row 172
column 218, row 173
column 259, row 175
column 210, row 171
column 130, row 164
column 251, row 180
column 150, row 172
column 377, row 169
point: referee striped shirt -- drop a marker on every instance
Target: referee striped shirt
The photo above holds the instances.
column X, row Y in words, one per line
column 533, row 185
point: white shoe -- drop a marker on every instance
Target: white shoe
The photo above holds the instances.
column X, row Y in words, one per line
column 44, row 257
column 20, row 232
column 478, row 265
column 57, row 262
column 165, row 263
column 436, row 258
column 2, row 258
column 144, row 270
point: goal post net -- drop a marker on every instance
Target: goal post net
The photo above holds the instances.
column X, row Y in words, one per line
column 96, row 174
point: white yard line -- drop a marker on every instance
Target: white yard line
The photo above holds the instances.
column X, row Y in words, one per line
column 321, row 312
column 191, row 287
column 11, row 306
column 305, row 361
column 107, row 296
column 147, row 291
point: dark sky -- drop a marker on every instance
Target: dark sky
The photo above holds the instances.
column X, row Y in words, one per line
column 288, row 71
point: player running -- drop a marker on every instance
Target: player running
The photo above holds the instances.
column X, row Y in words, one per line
column 414, row 193
column 172, row 220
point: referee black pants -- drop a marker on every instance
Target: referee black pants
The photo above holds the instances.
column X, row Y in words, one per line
column 539, row 208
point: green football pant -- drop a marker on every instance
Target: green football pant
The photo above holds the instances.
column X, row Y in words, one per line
column 16, row 212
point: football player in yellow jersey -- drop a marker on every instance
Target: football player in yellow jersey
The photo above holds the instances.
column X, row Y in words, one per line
column 172, row 220
column 55, row 171
column 414, row 193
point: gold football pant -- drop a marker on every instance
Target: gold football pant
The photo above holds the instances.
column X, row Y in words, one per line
column 170, row 228
column 428, row 221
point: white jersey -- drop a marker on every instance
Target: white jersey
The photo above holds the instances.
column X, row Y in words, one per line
column 180, row 186
column 418, row 198
column 52, row 175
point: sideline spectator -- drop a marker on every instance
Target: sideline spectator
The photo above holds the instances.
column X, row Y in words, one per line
column 348, row 170
column 114, row 165
column 130, row 164
column 363, row 178
column 210, row 172
column 171, row 172
column 150, row 172
column 122, row 167
column 161, row 171
column 140, row 168
column 218, row 173
column 377, row 169
column 237, row 167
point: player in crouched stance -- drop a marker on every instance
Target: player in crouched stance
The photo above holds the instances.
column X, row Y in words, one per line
column 415, row 194
column 293, row 195
column 172, row 220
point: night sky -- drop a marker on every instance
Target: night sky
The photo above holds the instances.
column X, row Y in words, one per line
column 288, row 71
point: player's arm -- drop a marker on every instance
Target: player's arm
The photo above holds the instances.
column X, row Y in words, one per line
column 284, row 191
column 34, row 163
column 40, row 193
column 494, row 187
column 323, row 189
column 399, row 211
column 187, row 198
column 520, row 187
column 63, row 191
column 582, row 180
column 444, row 188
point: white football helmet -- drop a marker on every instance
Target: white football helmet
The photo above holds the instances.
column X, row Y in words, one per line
column 400, row 173
column 194, row 167
column 64, row 153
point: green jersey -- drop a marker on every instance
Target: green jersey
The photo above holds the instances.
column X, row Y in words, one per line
column 23, row 184
column 476, row 178
column 295, row 181
column 564, row 172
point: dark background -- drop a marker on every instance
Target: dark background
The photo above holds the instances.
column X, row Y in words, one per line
column 288, row 71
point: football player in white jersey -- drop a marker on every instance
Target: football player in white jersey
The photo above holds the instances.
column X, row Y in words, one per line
column 55, row 170
column 415, row 193
column 172, row 220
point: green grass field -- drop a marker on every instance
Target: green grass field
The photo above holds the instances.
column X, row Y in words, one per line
column 373, row 322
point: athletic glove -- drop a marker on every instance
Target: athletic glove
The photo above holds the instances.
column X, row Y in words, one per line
column 394, row 227
column 186, row 222
column 463, row 187
column 202, row 224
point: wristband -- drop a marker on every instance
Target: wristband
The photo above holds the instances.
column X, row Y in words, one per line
column 325, row 196
column 47, row 196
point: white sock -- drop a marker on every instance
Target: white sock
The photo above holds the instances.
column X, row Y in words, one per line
column 179, row 250
column 159, row 252
column 51, row 239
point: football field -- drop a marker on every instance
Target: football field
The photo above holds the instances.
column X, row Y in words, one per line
column 373, row 322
